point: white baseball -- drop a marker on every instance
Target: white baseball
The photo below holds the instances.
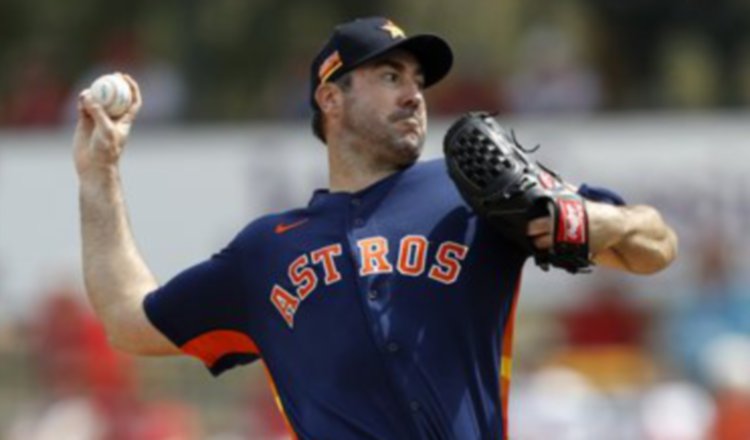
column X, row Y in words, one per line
column 113, row 93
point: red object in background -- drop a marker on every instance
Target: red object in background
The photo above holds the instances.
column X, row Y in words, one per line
column 72, row 351
column 606, row 318
column 732, row 417
column 75, row 361
column 460, row 94
column 37, row 96
column 153, row 421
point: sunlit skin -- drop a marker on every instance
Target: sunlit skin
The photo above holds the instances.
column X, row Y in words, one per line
column 385, row 111
column 378, row 125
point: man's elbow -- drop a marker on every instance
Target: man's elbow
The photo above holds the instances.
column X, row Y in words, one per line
column 661, row 256
column 119, row 340
column 122, row 327
column 671, row 247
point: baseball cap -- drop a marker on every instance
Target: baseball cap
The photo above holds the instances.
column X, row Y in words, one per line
column 356, row 42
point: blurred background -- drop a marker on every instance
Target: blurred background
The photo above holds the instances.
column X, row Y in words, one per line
column 649, row 98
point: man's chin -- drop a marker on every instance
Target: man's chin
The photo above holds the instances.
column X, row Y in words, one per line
column 410, row 148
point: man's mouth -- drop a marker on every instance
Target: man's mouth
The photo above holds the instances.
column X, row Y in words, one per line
column 412, row 120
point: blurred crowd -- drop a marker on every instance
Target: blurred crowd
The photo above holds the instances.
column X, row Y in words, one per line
column 62, row 381
column 617, row 366
column 233, row 60
column 616, row 363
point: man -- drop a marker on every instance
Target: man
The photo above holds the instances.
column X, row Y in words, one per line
column 383, row 309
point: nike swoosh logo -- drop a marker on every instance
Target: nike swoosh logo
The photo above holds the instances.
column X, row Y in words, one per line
column 281, row 227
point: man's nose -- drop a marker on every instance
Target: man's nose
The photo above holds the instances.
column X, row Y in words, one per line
column 412, row 96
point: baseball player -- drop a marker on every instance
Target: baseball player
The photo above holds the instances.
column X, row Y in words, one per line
column 384, row 308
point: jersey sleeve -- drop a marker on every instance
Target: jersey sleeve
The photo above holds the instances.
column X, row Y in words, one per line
column 601, row 195
column 205, row 311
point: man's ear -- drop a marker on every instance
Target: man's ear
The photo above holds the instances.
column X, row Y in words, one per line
column 329, row 97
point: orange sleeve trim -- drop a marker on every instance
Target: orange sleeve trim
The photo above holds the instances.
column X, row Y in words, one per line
column 212, row 346
column 506, row 361
column 279, row 404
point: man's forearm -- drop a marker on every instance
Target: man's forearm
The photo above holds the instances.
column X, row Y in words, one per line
column 115, row 274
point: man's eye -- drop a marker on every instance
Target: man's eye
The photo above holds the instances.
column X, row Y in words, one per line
column 390, row 76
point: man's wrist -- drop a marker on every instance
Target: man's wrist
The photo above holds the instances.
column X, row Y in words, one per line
column 608, row 225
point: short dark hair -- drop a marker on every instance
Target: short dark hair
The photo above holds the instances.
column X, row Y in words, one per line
column 345, row 83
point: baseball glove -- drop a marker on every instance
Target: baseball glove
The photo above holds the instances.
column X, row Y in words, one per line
column 495, row 176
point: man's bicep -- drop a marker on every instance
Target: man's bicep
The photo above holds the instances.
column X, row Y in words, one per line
column 610, row 259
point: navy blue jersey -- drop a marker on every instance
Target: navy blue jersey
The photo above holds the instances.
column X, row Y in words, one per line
column 381, row 314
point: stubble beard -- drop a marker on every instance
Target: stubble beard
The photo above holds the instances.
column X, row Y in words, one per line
column 385, row 142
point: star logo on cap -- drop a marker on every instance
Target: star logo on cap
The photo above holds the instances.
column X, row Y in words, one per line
column 394, row 30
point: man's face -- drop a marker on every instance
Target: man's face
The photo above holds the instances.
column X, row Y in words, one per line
column 384, row 110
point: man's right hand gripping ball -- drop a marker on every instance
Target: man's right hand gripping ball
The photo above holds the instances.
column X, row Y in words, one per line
column 99, row 138
column 497, row 179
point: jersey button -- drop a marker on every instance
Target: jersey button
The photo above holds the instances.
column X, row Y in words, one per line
column 414, row 405
column 358, row 222
column 392, row 347
column 356, row 202
column 372, row 295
